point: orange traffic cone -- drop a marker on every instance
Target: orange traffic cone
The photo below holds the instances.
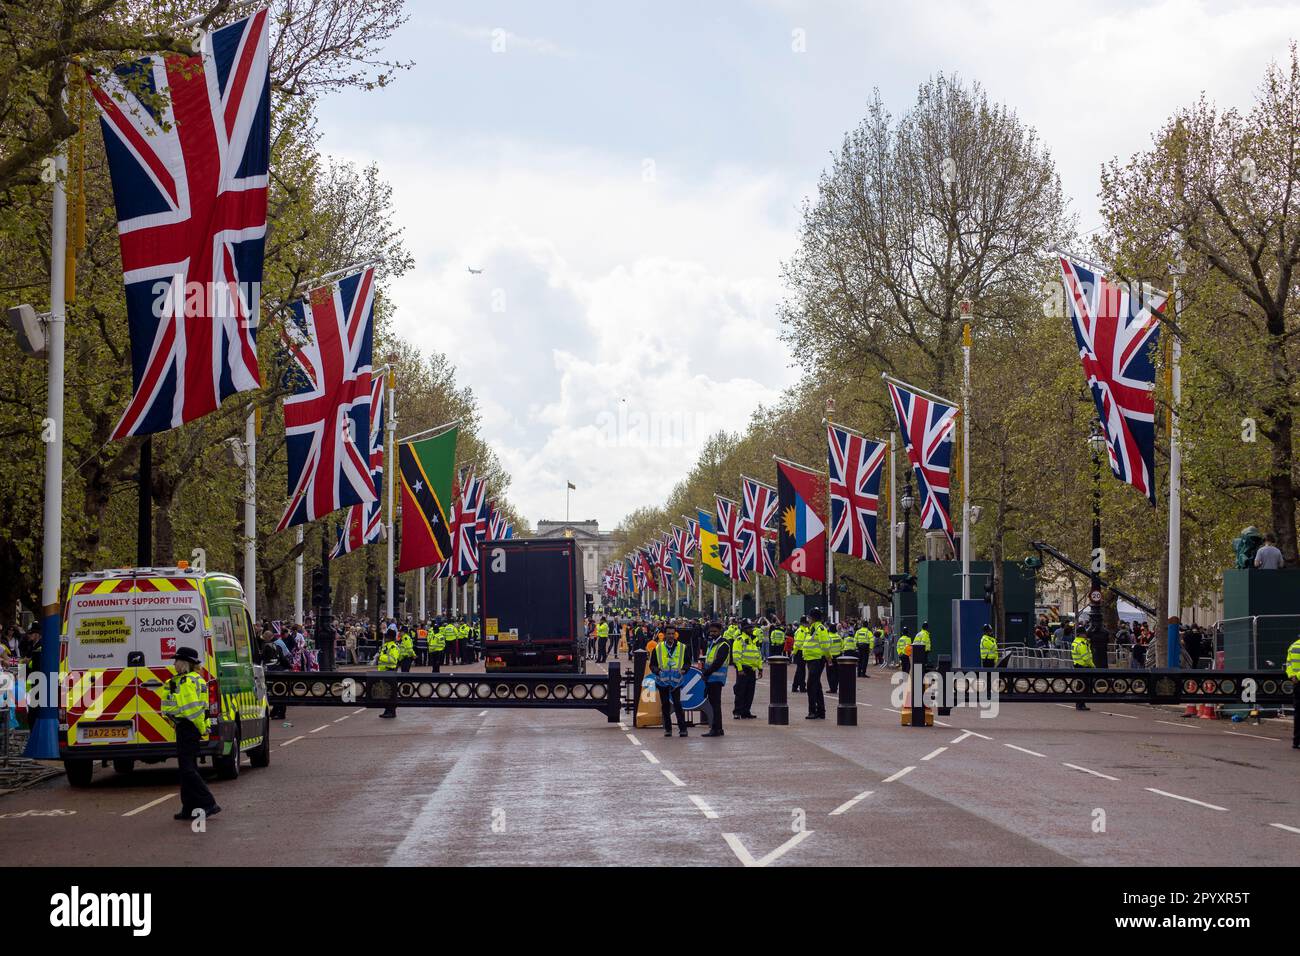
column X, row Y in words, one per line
column 1190, row 711
column 1207, row 712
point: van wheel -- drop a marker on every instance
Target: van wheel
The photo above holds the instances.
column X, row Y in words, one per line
column 79, row 772
column 228, row 766
column 123, row 765
column 260, row 756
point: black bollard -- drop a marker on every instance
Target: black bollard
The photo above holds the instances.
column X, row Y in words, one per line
column 945, row 705
column 614, row 693
column 846, row 715
column 778, row 711
column 917, row 677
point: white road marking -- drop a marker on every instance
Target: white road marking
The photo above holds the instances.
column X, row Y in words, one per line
column 1032, row 753
column 747, row 859
column 934, row 753
column 649, row 756
column 359, row 710
column 891, row 710
column 293, row 741
column 902, row 773
column 973, row 734
column 940, row 723
column 1066, row 706
column 622, row 726
column 321, row 727
column 635, row 742
column 672, row 778
column 708, row 811
column 846, row 807
column 482, row 713
column 1171, row 724
column 1199, row 803
column 1109, row 713
column 339, row 720
column 1283, row 826
column 152, row 803
column 1237, row 733
column 1075, row 766
column 964, row 735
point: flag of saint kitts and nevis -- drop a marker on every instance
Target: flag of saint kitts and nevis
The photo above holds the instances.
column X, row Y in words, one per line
column 710, row 560
column 425, row 468
column 801, row 531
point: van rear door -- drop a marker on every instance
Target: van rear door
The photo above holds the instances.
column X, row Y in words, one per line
column 99, row 658
column 170, row 613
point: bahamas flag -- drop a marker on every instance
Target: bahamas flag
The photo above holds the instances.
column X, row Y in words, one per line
column 710, row 562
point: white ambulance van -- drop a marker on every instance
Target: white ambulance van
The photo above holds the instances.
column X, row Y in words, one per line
column 121, row 629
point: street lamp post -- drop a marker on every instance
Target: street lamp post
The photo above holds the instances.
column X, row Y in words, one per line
column 907, row 530
column 1097, row 445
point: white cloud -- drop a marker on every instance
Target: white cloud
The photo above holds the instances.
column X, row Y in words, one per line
column 617, row 322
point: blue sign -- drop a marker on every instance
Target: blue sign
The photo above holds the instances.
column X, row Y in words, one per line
column 694, row 691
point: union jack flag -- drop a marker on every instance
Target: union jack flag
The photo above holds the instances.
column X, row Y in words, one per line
column 662, row 562
column 364, row 525
column 329, row 337
column 497, row 526
column 855, row 465
column 1117, row 333
column 189, row 171
column 730, row 546
column 469, row 503
column 757, row 519
column 691, row 542
column 927, row 425
column 681, row 553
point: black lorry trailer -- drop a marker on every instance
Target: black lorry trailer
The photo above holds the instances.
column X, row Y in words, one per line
column 530, row 605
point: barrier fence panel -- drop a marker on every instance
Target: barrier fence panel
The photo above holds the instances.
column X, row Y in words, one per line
column 1051, row 685
column 602, row 693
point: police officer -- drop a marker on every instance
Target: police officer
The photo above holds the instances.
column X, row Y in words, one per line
column 862, row 644
column 988, row 648
column 1081, row 655
column 816, row 648
column 602, row 641
column 903, row 650
column 716, row 661
column 923, row 637
column 407, row 657
column 835, row 650
column 798, row 684
column 668, row 663
column 747, row 657
column 1293, row 672
column 437, row 646
column 389, row 659
column 185, row 704
column 776, row 640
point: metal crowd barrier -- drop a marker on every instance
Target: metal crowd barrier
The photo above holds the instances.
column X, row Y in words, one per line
column 398, row 689
column 1021, row 685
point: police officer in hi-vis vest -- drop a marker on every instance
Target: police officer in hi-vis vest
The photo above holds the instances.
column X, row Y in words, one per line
column 185, row 704
column 668, row 663
column 717, row 658
column 816, row 648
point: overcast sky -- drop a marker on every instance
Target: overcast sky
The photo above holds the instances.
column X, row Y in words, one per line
column 628, row 177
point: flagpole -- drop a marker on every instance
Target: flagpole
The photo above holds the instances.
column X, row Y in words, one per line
column 438, row 596
column 297, row 580
column 250, row 513
column 421, row 586
column 43, row 743
column 392, row 484
column 965, row 464
column 1175, row 609
column 893, row 504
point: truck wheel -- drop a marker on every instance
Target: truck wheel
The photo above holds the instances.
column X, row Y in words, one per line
column 228, row 766
column 79, row 772
column 123, row 765
column 260, row 756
